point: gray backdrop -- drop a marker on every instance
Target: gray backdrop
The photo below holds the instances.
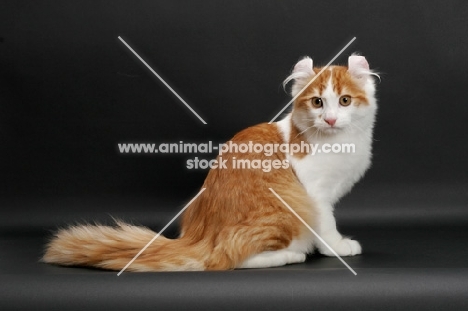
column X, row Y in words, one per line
column 70, row 90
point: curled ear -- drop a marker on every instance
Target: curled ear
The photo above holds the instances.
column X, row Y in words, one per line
column 357, row 62
column 304, row 66
column 358, row 67
column 303, row 71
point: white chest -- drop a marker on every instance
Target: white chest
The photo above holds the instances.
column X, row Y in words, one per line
column 338, row 163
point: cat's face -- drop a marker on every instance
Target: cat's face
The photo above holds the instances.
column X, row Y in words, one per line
column 338, row 99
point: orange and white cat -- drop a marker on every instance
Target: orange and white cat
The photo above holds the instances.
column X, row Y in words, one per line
column 237, row 222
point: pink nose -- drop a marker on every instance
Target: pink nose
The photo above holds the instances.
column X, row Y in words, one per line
column 331, row 122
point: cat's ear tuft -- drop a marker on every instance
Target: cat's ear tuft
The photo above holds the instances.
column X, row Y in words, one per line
column 358, row 67
column 357, row 62
column 305, row 67
column 303, row 71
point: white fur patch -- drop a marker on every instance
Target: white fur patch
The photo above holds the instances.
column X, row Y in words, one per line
column 327, row 177
column 273, row 259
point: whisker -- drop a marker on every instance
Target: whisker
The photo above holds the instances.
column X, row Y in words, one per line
column 304, row 130
column 358, row 128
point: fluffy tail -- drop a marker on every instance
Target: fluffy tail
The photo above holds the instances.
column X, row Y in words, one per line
column 114, row 247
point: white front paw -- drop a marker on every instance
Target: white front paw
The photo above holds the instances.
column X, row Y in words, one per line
column 344, row 247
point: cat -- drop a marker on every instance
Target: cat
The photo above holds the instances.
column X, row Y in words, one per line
column 237, row 222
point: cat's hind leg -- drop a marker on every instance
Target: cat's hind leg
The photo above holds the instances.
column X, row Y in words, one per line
column 270, row 259
column 234, row 244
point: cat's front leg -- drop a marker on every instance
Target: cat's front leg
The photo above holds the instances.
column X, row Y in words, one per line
column 326, row 229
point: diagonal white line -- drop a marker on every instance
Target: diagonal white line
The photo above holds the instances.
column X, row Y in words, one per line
column 160, row 232
column 313, row 79
column 313, row 231
column 162, row 80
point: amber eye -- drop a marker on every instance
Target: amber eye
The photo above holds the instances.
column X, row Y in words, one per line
column 317, row 102
column 345, row 100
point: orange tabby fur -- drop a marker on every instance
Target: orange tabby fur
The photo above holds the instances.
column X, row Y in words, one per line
column 234, row 218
